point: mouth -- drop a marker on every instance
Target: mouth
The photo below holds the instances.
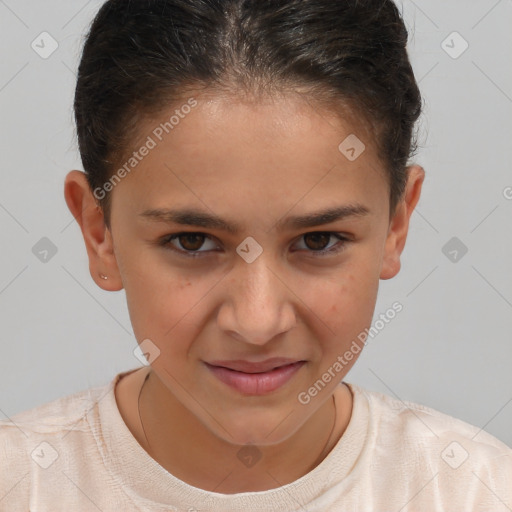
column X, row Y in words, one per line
column 255, row 378
column 255, row 367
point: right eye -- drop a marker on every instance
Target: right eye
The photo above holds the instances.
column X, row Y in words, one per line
column 190, row 243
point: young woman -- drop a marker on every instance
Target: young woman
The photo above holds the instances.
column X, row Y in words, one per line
column 247, row 183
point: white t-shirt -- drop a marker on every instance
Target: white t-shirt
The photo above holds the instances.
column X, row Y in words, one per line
column 76, row 454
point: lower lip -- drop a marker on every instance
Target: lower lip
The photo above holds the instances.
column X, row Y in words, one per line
column 256, row 383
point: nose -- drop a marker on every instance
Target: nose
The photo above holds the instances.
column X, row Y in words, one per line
column 258, row 303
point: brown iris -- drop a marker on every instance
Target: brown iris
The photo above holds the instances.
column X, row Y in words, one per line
column 318, row 239
column 196, row 239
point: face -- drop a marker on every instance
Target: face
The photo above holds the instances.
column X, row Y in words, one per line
column 274, row 284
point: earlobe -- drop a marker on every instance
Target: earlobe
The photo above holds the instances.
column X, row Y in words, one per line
column 98, row 240
column 399, row 225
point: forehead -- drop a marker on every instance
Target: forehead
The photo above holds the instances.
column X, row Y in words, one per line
column 276, row 149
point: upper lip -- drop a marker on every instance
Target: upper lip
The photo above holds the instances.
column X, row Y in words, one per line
column 250, row 367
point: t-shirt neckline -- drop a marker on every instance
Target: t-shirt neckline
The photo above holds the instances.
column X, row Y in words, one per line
column 147, row 483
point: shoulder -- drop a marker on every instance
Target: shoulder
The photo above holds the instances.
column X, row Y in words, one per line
column 33, row 439
column 55, row 416
column 411, row 420
column 434, row 448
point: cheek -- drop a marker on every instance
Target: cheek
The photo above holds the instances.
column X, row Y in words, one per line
column 162, row 305
column 346, row 303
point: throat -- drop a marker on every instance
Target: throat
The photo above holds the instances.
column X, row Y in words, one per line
column 175, row 438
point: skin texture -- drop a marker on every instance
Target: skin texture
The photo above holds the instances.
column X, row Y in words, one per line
column 254, row 163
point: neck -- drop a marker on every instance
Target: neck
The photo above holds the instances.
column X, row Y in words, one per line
column 192, row 453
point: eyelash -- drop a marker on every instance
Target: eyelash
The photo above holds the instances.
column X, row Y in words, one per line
column 340, row 246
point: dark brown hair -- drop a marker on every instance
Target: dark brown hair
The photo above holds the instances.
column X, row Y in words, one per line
column 141, row 56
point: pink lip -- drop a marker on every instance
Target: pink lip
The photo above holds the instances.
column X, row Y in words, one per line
column 256, row 383
column 254, row 367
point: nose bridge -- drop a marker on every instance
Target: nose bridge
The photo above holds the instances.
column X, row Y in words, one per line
column 259, row 300
column 257, row 286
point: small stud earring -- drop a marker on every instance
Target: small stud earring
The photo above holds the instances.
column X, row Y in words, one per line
column 103, row 277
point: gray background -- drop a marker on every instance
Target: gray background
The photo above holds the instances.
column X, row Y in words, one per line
column 450, row 348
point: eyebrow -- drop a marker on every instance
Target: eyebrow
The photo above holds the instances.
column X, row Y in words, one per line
column 200, row 218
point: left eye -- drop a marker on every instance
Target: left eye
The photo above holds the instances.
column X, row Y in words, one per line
column 321, row 239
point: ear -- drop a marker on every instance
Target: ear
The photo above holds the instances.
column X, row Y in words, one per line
column 98, row 240
column 399, row 224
